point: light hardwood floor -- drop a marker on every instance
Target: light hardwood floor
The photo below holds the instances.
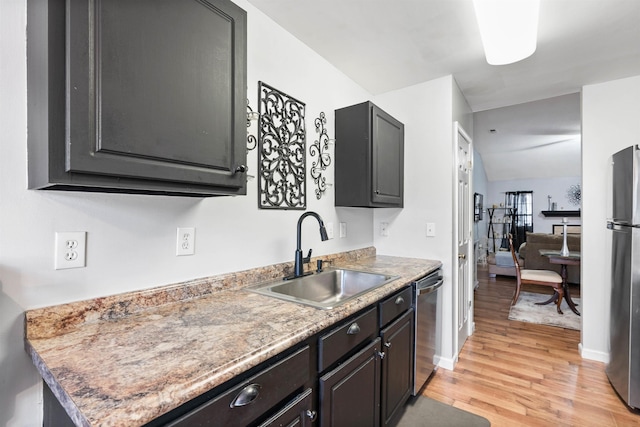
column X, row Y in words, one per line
column 521, row 374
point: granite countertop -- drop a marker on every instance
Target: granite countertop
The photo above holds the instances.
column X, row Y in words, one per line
column 127, row 359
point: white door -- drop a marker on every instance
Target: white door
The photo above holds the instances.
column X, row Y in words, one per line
column 463, row 218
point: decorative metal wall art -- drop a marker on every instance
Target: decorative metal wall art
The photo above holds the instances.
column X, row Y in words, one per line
column 252, row 142
column 574, row 194
column 282, row 150
column 320, row 148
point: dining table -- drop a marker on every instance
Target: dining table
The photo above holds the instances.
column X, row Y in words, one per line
column 555, row 257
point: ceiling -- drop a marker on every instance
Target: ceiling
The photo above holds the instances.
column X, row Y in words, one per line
column 538, row 139
column 385, row 45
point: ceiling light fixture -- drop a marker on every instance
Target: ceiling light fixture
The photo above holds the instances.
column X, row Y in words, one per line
column 508, row 28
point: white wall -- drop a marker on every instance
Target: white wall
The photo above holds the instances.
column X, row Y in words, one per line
column 480, row 185
column 610, row 122
column 428, row 111
column 554, row 187
column 131, row 238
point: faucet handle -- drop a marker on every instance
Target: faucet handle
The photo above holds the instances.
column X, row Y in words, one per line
column 308, row 257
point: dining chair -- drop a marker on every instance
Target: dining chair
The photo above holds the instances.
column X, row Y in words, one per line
column 536, row 277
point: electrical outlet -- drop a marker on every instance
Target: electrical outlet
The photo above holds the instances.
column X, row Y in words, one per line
column 431, row 229
column 186, row 241
column 343, row 230
column 70, row 249
column 384, row 229
column 329, row 227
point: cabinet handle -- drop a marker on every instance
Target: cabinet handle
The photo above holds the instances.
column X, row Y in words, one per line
column 353, row 329
column 381, row 354
column 246, row 396
column 387, row 344
column 241, row 169
column 399, row 300
column 311, row 414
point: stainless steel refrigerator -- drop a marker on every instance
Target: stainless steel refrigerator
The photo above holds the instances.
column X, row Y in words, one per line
column 623, row 369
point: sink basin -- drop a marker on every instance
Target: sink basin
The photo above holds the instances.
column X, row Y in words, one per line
column 327, row 289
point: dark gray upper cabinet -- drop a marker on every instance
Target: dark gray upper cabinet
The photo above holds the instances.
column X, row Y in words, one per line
column 144, row 96
column 369, row 157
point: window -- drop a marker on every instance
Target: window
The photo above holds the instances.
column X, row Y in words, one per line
column 522, row 202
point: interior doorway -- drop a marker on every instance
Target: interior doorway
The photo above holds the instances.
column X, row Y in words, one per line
column 463, row 214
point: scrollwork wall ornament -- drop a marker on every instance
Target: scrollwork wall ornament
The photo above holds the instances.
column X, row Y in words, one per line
column 320, row 148
column 574, row 194
column 252, row 142
column 282, row 150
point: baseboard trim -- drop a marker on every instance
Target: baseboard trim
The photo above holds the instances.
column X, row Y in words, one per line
column 446, row 363
column 598, row 356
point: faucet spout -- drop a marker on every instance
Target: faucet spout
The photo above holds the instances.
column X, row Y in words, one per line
column 298, row 269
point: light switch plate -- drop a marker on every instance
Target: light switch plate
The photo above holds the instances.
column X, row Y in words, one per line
column 431, row 229
column 343, row 230
column 329, row 227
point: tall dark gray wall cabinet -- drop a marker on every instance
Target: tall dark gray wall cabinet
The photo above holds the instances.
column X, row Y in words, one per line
column 369, row 157
column 145, row 96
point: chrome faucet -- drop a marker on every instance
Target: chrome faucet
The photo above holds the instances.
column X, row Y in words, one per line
column 298, row 269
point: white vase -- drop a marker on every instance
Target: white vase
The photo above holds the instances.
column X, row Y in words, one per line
column 565, row 249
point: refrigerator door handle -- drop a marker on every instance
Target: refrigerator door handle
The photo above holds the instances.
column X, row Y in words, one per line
column 616, row 226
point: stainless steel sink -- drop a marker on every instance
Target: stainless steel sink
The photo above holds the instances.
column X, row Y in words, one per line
column 327, row 289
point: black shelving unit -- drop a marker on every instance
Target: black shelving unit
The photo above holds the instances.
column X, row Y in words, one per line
column 507, row 226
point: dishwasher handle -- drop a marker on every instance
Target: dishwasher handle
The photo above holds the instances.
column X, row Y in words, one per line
column 429, row 288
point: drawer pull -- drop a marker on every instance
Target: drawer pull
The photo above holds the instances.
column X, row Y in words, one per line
column 387, row 344
column 311, row 414
column 246, row 396
column 399, row 300
column 353, row 329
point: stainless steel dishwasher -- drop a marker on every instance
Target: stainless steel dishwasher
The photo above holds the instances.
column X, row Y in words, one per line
column 427, row 327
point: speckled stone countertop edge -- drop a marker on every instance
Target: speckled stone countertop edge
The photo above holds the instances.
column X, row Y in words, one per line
column 89, row 410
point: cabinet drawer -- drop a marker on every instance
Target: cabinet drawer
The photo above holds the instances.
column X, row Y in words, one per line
column 395, row 305
column 299, row 412
column 249, row 400
column 349, row 335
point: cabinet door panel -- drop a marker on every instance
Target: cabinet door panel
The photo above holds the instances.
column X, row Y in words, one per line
column 141, row 115
column 388, row 157
column 350, row 394
column 397, row 366
column 149, row 99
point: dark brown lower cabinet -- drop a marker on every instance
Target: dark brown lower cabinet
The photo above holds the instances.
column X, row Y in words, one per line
column 364, row 377
column 350, row 394
column 397, row 367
